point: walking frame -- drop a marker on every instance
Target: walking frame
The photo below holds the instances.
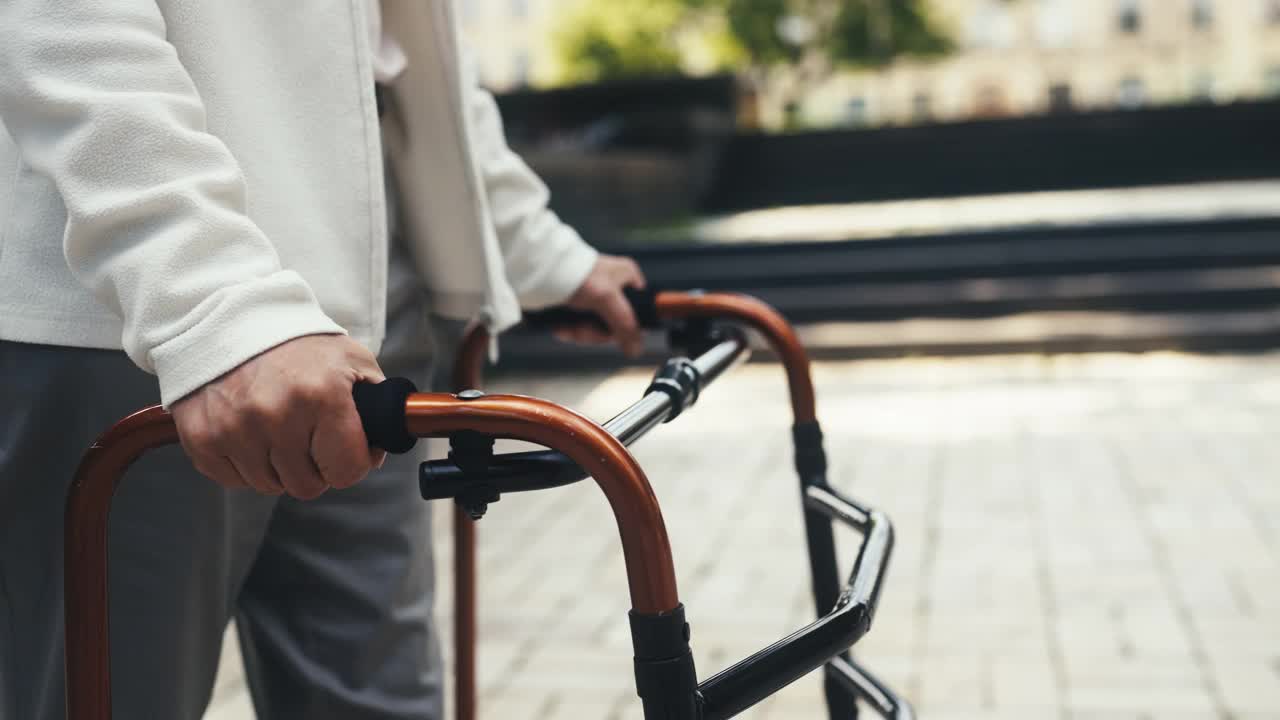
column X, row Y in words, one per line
column 708, row 330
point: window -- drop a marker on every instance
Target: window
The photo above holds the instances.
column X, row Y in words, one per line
column 1129, row 16
column 992, row 26
column 1202, row 86
column 1201, row 14
column 1271, row 82
column 921, row 107
column 855, row 112
column 1131, row 94
column 1054, row 28
column 1060, row 98
column 520, row 68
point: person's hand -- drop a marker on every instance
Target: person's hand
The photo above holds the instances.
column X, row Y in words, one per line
column 601, row 293
column 283, row 422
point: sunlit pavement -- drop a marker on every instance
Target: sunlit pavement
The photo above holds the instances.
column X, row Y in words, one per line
column 1078, row 537
column 1051, row 208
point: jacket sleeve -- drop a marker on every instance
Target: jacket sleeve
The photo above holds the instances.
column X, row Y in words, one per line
column 545, row 259
column 97, row 100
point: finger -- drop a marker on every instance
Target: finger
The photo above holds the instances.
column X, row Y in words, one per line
column 339, row 447
column 377, row 456
column 582, row 335
column 366, row 366
column 588, row 335
column 298, row 472
column 289, row 442
column 371, row 374
column 634, row 276
column 619, row 316
column 218, row 469
column 209, row 463
column 256, row 471
column 621, row 320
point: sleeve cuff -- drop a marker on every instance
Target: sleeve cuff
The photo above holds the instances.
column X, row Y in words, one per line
column 563, row 277
column 246, row 322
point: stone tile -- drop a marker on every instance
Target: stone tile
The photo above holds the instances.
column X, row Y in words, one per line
column 1249, row 687
column 1078, row 538
column 1188, row 699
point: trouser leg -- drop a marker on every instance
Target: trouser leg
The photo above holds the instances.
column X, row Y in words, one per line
column 336, row 617
column 179, row 545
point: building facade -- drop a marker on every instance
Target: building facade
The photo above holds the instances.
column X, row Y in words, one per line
column 1012, row 57
column 1019, row 57
column 512, row 40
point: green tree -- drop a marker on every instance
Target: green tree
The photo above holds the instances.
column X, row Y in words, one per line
column 783, row 48
column 791, row 46
column 859, row 33
column 609, row 40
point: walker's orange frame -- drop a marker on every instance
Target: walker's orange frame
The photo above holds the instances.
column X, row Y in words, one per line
column 657, row 614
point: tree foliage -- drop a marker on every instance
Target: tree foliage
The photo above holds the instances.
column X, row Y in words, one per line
column 861, row 37
column 606, row 39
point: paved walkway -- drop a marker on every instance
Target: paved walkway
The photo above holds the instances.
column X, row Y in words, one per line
column 1083, row 537
column 1005, row 211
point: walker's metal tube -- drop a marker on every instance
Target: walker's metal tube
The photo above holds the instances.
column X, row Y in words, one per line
column 468, row 367
column 518, row 472
column 646, row 548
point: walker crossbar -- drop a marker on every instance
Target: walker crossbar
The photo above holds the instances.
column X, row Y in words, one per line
column 845, row 613
column 538, row 470
column 764, row 673
column 849, row 674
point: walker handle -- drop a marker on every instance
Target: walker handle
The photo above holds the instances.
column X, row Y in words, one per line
column 641, row 301
column 381, row 409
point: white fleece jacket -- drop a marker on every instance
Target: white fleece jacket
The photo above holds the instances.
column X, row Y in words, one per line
column 197, row 182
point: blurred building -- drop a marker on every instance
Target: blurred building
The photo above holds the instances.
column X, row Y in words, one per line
column 1018, row 57
column 1012, row 57
column 511, row 40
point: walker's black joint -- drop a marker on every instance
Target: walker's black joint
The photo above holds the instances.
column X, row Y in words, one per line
column 644, row 304
column 666, row 679
column 811, row 459
column 693, row 336
column 472, row 452
column 680, row 380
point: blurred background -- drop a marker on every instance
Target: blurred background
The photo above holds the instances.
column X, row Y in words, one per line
column 1035, row 245
column 869, row 162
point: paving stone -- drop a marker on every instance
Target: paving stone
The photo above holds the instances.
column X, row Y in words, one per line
column 1193, row 701
column 1090, row 537
column 1249, row 687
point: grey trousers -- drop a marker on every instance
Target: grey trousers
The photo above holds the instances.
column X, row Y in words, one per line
column 333, row 597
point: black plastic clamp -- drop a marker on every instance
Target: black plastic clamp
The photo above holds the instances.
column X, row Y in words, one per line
column 680, row 380
column 811, row 458
column 693, row 336
column 666, row 679
column 472, row 452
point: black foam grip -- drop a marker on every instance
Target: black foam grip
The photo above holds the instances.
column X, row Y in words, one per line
column 811, row 458
column 642, row 303
column 381, row 408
